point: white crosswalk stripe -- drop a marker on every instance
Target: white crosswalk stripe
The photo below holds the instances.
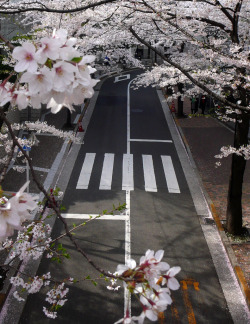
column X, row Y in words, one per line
column 83, row 181
column 127, row 172
column 170, row 175
column 149, row 174
column 107, row 172
column 150, row 182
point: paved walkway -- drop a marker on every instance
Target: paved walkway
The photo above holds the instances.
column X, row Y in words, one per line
column 203, row 137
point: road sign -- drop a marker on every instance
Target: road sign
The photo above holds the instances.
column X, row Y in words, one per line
column 26, row 147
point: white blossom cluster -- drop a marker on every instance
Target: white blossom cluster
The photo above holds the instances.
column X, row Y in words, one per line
column 52, row 72
column 14, row 211
column 43, row 127
column 32, row 286
column 32, row 241
column 153, row 281
column 244, row 151
column 55, row 297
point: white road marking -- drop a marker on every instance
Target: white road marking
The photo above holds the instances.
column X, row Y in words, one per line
column 170, row 175
column 89, row 216
column 150, row 140
column 128, row 117
column 107, row 172
column 127, row 172
column 83, row 181
column 127, row 295
column 122, row 77
column 127, row 184
column 149, row 175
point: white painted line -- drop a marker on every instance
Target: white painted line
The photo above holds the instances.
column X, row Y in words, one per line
column 170, row 175
column 107, row 172
column 127, row 184
column 127, row 295
column 83, row 181
column 128, row 117
column 149, row 174
column 122, row 78
column 89, row 216
column 76, row 119
column 150, row 140
column 127, row 172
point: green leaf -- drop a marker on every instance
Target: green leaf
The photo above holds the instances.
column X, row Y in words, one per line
column 94, row 282
column 59, row 246
column 67, row 256
column 76, row 59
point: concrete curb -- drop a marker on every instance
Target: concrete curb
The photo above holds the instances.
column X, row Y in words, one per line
column 227, row 245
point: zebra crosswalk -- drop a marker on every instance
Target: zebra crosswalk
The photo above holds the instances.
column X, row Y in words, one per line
column 106, row 178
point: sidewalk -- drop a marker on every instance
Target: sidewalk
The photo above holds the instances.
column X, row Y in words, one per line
column 203, row 138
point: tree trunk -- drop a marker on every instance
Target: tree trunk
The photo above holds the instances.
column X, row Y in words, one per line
column 234, row 206
column 68, row 124
column 180, row 102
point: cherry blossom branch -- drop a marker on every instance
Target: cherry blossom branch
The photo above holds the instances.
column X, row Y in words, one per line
column 8, row 11
column 188, row 75
column 7, row 42
column 16, row 143
column 5, row 168
column 55, row 208
column 184, row 31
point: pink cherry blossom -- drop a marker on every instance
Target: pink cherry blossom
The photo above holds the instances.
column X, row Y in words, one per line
column 121, row 268
column 49, row 48
column 5, row 95
column 152, row 305
column 39, row 82
column 20, row 98
column 26, row 57
column 170, row 280
column 152, row 266
column 14, row 211
column 22, row 203
column 67, row 51
column 63, row 75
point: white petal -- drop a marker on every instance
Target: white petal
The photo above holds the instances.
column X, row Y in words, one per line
column 173, row 271
column 173, row 284
column 159, row 255
column 131, row 263
column 164, row 266
column 21, row 66
column 151, row 315
column 121, row 268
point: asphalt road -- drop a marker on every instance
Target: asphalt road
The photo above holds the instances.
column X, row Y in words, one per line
column 129, row 156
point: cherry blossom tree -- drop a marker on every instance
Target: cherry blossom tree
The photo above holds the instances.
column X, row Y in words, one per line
column 50, row 70
column 215, row 36
column 202, row 45
column 210, row 56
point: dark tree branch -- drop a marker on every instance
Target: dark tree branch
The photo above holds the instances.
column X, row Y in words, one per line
column 13, row 11
column 7, row 42
column 188, row 75
column 55, row 208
